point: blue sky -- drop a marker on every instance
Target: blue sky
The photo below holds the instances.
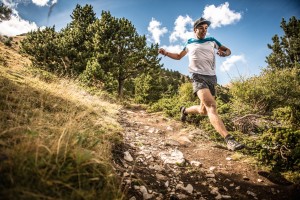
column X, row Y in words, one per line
column 244, row 26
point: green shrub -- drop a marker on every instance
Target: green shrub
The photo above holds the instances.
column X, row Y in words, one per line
column 280, row 147
column 186, row 93
column 169, row 106
column 223, row 94
column 93, row 74
column 8, row 41
column 283, row 114
column 269, row 91
column 145, row 87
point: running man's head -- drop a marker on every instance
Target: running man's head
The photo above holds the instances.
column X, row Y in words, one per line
column 200, row 27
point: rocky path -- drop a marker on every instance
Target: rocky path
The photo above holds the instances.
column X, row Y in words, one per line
column 165, row 159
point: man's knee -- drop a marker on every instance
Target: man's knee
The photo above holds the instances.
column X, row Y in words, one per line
column 211, row 107
column 202, row 110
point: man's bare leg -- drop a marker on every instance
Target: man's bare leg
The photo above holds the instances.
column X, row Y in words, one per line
column 210, row 105
column 196, row 110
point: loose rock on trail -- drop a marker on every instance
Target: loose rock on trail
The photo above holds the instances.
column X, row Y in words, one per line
column 165, row 159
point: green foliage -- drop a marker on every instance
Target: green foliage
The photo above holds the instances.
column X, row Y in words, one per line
column 293, row 176
column 75, row 41
column 248, row 93
column 286, row 49
column 5, row 12
column 280, row 147
column 169, row 82
column 8, row 41
column 107, row 53
column 158, row 83
column 276, row 93
column 82, row 16
column 284, row 115
column 186, row 93
column 145, row 89
column 93, row 75
column 41, row 45
column 222, row 107
column 170, row 106
column 223, row 94
column 121, row 51
column 271, row 90
column 67, row 52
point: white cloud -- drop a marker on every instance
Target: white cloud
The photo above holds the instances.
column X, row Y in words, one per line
column 180, row 30
column 43, row 2
column 16, row 26
column 40, row 2
column 173, row 48
column 232, row 61
column 156, row 31
column 221, row 15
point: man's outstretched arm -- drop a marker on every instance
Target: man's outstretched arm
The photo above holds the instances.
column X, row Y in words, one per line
column 175, row 56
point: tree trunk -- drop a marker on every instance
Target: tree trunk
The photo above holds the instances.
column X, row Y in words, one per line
column 120, row 87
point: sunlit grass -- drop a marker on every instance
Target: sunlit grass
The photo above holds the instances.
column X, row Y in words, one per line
column 55, row 139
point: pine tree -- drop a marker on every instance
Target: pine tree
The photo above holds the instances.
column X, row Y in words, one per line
column 76, row 39
column 286, row 49
column 291, row 40
column 143, row 88
column 5, row 12
column 41, row 45
column 121, row 51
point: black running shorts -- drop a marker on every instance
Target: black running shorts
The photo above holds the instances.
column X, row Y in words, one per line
column 204, row 81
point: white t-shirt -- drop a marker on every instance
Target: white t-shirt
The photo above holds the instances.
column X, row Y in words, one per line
column 202, row 55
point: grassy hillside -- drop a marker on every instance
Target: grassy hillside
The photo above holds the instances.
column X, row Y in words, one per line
column 55, row 138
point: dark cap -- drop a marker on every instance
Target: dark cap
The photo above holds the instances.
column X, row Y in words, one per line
column 201, row 21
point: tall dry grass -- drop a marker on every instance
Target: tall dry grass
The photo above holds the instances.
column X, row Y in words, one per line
column 55, row 139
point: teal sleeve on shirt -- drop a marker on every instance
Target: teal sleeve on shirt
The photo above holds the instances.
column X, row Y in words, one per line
column 200, row 41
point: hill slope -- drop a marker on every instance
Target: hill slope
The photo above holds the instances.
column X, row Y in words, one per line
column 54, row 136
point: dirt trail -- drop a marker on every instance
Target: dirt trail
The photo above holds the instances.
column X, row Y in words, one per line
column 165, row 159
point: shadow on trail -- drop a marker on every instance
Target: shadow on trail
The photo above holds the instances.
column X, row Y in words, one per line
column 260, row 190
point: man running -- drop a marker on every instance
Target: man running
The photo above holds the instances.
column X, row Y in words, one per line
column 201, row 51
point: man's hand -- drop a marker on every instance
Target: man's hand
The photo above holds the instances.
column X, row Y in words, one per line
column 162, row 51
column 222, row 53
